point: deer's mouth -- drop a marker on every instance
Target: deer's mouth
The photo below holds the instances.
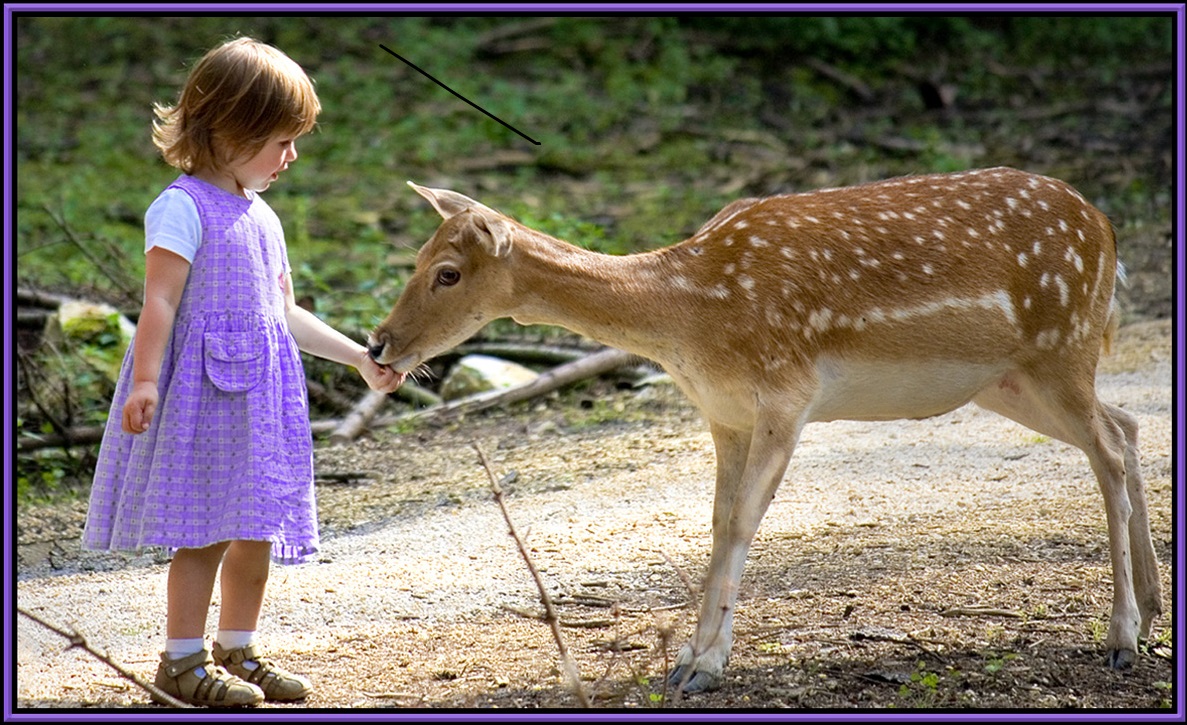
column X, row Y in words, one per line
column 384, row 353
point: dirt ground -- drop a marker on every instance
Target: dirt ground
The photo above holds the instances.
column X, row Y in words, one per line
column 954, row 563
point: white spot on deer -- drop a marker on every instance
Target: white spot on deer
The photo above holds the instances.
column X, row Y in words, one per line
column 963, row 204
column 1038, row 248
column 787, row 252
column 812, row 219
column 1022, row 259
column 745, row 282
column 1047, row 339
column 1063, row 291
column 927, row 269
column 1011, row 202
column 741, row 224
column 854, row 275
column 820, row 319
column 999, row 301
column 719, row 292
column 730, row 268
column 1063, row 227
column 758, row 242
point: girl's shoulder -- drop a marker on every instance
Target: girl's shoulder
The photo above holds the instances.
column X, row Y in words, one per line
column 172, row 222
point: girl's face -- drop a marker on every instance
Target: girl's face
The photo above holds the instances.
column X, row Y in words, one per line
column 258, row 172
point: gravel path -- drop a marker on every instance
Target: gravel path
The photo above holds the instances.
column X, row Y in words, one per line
column 611, row 495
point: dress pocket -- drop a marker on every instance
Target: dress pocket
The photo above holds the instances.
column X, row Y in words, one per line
column 236, row 361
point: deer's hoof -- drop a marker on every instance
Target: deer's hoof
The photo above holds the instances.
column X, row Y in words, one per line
column 1122, row 659
column 697, row 681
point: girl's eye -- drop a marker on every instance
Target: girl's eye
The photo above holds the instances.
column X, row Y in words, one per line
column 448, row 277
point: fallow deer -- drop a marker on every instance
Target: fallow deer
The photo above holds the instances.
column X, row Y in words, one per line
column 904, row 298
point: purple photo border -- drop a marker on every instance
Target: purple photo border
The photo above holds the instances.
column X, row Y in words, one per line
column 1176, row 610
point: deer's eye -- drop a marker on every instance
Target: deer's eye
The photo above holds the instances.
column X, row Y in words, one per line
column 448, row 276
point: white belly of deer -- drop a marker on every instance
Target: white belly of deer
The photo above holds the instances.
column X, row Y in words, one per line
column 880, row 390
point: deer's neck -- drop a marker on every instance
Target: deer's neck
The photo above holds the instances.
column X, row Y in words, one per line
column 631, row 302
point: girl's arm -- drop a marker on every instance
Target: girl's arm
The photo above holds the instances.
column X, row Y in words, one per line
column 317, row 338
column 165, row 274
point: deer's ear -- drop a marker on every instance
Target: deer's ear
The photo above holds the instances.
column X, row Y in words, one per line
column 447, row 203
column 494, row 230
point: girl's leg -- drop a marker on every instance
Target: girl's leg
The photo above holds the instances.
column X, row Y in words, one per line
column 244, row 579
column 191, row 677
column 190, row 584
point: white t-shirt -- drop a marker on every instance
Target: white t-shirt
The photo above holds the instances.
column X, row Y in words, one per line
column 172, row 223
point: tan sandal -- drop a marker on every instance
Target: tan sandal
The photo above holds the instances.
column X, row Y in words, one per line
column 277, row 684
column 196, row 680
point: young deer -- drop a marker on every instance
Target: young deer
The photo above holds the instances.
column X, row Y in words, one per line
column 900, row 299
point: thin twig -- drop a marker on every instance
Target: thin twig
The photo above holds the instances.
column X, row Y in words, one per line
column 570, row 666
column 77, row 640
column 118, row 279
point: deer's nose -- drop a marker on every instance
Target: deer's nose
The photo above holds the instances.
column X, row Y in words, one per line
column 375, row 350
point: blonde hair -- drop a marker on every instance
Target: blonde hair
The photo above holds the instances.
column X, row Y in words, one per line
column 236, row 97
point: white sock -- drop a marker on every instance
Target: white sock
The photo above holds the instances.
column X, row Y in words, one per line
column 234, row 639
column 177, row 648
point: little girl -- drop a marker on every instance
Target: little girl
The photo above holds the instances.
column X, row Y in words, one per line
column 208, row 449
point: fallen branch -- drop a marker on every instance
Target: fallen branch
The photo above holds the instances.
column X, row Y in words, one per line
column 572, row 623
column 64, row 438
column 366, row 415
column 598, row 363
column 567, row 662
column 356, row 422
column 77, row 640
column 980, row 611
column 524, row 352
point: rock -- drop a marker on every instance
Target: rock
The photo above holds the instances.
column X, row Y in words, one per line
column 480, row 373
column 96, row 332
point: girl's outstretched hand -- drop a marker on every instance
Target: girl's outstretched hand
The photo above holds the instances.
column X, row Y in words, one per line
column 140, row 407
column 380, row 378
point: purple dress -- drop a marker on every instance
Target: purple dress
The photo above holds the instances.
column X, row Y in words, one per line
column 229, row 453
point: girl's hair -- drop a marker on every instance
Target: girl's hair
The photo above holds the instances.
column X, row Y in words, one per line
column 237, row 96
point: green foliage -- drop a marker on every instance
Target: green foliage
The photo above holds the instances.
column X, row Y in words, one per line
column 655, row 116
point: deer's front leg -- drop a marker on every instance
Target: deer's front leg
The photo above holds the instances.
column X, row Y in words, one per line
column 750, row 466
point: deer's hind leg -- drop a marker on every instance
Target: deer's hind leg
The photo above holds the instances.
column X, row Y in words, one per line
column 1146, row 582
column 1064, row 406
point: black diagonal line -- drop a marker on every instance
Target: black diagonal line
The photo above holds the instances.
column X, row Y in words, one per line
column 467, row 100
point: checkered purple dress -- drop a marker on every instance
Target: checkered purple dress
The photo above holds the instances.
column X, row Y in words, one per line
column 229, row 454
